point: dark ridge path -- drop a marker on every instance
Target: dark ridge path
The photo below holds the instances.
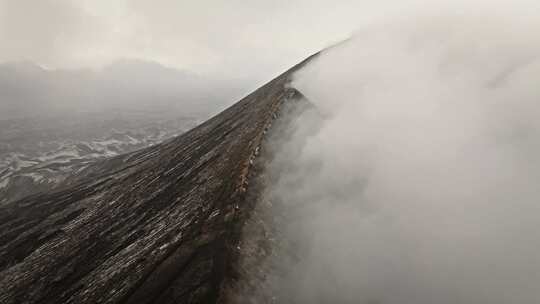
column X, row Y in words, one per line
column 159, row 225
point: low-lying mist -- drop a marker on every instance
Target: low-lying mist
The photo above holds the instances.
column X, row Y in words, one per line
column 419, row 182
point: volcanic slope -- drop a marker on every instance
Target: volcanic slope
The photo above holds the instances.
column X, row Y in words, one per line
column 159, row 225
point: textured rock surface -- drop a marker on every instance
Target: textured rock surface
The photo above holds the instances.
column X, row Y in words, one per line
column 264, row 248
column 160, row 225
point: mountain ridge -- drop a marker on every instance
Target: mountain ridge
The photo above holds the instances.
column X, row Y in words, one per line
column 154, row 226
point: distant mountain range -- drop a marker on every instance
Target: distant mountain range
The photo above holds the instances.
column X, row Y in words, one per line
column 27, row 89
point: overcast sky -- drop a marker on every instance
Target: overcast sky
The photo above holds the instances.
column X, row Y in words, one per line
column 230, row 38
column 249, row 40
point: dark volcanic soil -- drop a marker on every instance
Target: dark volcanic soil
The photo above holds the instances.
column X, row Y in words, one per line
column 160, row 225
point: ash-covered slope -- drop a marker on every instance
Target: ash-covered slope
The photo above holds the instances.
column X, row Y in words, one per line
column 156, row 226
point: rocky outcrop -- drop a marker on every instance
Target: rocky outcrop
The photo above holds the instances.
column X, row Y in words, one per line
column 160, row 225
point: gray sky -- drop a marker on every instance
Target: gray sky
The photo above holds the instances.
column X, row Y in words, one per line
column 229, row 38
column 234, row 38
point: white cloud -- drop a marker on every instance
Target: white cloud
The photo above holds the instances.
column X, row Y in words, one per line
column 420, row 185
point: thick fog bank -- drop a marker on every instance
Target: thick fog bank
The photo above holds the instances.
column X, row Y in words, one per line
column 421, row 183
